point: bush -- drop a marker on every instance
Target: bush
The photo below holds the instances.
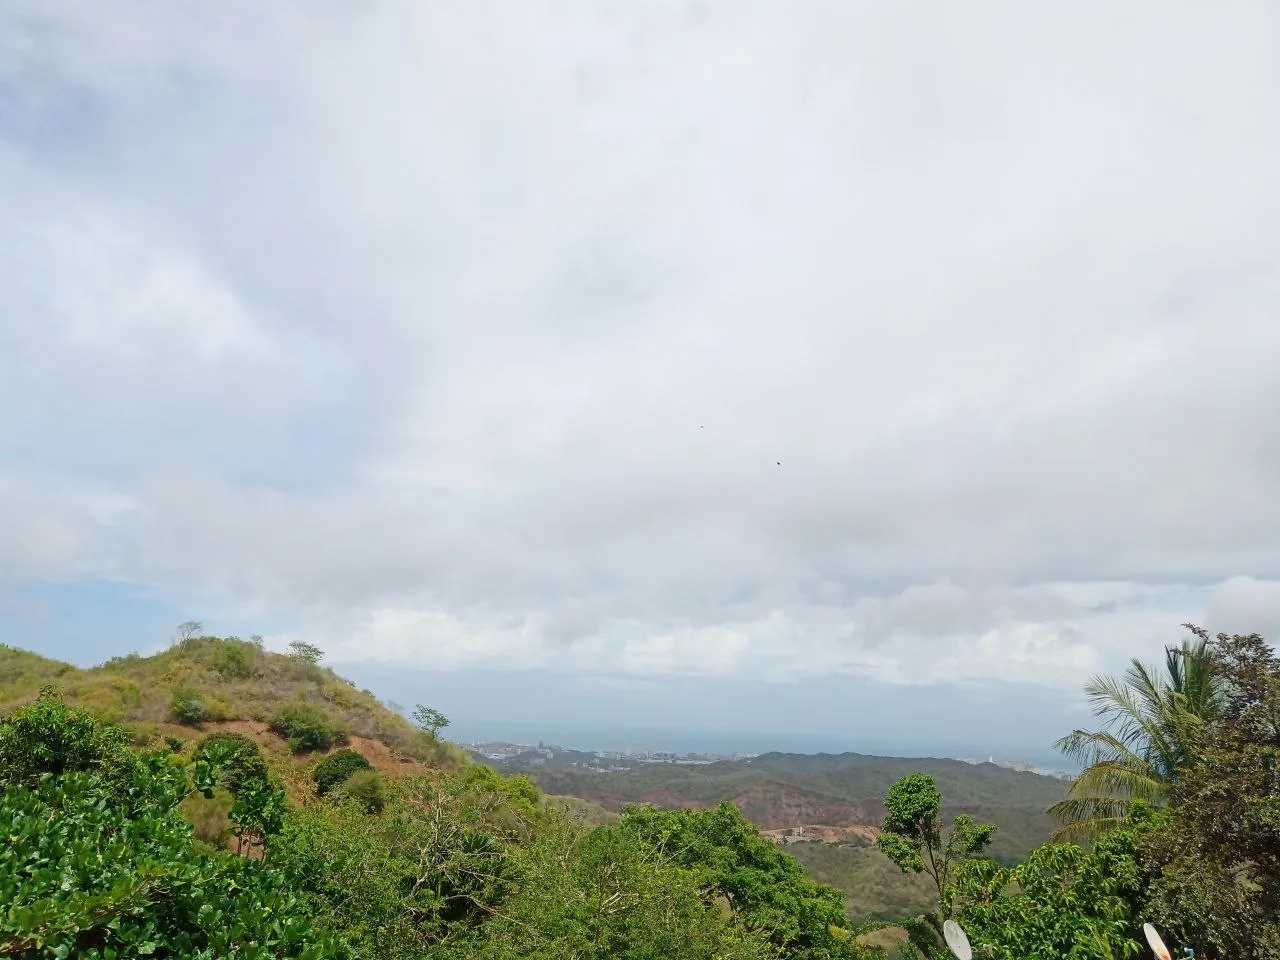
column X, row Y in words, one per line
column 334, row 769
column 306, row 727
column 234, row 659
column 188, row 706
column 49, row 737
column 238, row 759
column 84, row 876
column 368, row 787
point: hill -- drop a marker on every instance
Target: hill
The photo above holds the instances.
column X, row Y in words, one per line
column 208, row 684
column 835, row 797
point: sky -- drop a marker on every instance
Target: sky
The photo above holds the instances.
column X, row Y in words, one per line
column 852, row 374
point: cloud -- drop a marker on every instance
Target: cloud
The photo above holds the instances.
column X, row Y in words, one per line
column 924, row 344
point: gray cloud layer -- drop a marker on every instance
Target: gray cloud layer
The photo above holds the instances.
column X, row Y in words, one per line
column 927, row 344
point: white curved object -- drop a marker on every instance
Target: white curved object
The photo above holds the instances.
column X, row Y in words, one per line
column 1157, row 945
column 957, row 941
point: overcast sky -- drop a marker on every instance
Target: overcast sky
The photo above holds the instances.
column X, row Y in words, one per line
column 834, row 355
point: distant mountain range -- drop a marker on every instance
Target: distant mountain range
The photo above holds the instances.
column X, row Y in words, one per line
column 827, row 808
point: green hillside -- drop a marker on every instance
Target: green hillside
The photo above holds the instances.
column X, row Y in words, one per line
column 205, row 684
column 780, row 790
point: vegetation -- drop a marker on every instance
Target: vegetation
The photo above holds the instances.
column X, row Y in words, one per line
column 304, row 652
column 307, row 727
column 116, row 850
column 136, row 692
column 1151, row 725
column 98, row 864
column 429, row 720
column 334, row 769
column 914, row 838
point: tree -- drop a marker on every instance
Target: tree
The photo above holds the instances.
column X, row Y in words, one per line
column 188, row 629
column 913, row 836
column 429, row 720
column 304, row 652
column 1216, row 863
column 1151, row 723
column 1062, row 901
column 767, row 890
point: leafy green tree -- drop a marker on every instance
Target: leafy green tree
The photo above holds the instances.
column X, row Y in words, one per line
column 1151, row 724
column 304, row 652
column 914, row 836
column 730, row 858
column 1062, row 901
column 334, row 769
column 429, row 720
column 1216, row 862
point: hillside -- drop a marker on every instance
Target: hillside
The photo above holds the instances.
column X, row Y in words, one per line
column 835, row 798
column 229, row 684
column 780, row 790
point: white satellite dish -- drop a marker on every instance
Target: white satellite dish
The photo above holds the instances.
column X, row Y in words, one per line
column 1157, row 945
column 957, row 940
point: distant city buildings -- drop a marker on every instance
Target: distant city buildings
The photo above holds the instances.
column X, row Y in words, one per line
column 603, row 761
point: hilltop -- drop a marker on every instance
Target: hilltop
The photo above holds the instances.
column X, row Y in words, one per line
column 208, row 684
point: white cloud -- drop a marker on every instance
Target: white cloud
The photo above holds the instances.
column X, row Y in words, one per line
column 921, row 343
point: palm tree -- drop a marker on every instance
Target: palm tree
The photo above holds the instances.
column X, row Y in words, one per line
column 1151, row 724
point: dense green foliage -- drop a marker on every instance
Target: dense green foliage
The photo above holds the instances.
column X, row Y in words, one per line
column 914, row 838
column 1216, row 862
column 1203, row 866
column 239, row 759
column 98, row 864
column 305, row 726
column 1152, row 722
column 336, row 768
column 464, row 865
column 1062, row 901
column 729, row 857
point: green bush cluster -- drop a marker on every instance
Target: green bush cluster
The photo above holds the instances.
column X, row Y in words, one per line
column 239, row 760
column 102, row 868
column 334, row 769
column 188, row 706
column 307, row 727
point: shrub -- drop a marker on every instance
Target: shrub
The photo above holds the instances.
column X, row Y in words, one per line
column 188, row 706
column 84, row 876
column 238, row 759
column 234, row 659
column 47, row 736
column 336, row 768
column 368, row 787
column 306, row 727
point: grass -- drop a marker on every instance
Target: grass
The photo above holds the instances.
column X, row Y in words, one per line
column 235, row 682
